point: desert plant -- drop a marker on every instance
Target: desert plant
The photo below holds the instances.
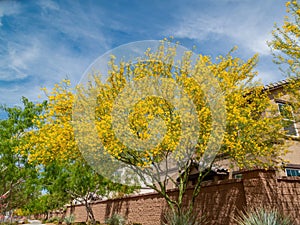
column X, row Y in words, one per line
column 262, row 216
column 184, row 218
column 115, row 219
column 69, row 219
column 53, row 219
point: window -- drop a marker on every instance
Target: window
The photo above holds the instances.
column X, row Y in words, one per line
column 238, row 176
column 292, row 172
column 286, row 112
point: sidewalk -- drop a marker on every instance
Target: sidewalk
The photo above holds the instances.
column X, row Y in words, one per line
column 35, row 222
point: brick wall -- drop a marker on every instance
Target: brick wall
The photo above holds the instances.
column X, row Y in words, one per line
column 219, row 201
column 288, row 190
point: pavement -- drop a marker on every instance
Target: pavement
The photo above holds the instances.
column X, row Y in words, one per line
column 35, row 222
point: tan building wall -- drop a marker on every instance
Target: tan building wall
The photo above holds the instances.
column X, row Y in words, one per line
column 293, row 155
column 219, row 201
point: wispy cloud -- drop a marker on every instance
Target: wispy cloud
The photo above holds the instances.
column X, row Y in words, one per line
column 42, row 42
column 245, row 24
column 8, row 8
column 40, row 49
column 48, row 5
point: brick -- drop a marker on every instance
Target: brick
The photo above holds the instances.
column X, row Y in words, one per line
column 219, row 200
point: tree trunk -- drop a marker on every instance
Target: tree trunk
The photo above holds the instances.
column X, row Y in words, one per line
column 90, row 212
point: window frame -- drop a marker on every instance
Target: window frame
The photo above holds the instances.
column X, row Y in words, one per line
column 293, row 121
column 289, row 172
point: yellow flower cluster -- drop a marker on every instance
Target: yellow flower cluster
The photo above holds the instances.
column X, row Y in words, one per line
column 248, row 133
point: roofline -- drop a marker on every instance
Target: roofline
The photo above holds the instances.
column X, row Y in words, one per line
column 279, row 84
column 276, row 85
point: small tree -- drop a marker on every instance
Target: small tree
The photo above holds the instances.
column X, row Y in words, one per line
column 17, row 176
column 64, row 176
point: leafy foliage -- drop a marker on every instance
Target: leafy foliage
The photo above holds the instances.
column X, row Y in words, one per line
column 70, row 219
column 250, row 138
column 18, row 177
column 65, row 176
column 286, row 49
column 286, row 40
column 251, row 135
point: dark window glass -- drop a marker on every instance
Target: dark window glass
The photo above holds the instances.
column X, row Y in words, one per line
column 292, row 172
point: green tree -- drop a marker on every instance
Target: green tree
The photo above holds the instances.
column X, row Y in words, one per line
column 77, row 181
column 18, row 177
column 64, row 176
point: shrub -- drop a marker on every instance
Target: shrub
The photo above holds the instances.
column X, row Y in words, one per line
column 185, row 218
column 116, row 219
column 69, row 219
column 55, row 219
column 261, row 216
column 8, row 223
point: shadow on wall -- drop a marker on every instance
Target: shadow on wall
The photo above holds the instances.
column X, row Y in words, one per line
column 117, row 207
column 219, row 201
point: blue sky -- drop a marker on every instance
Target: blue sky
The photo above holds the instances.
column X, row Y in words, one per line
column 42, row 42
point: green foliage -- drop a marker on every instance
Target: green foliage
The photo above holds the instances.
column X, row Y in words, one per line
column 19, row 179
column 54, row 219
column 183, row 218
column 261, row 216
column 8, row 223
column 76, row 180
column 69, row 219
column 116, row 219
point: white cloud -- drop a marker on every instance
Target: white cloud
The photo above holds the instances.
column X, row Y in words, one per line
column 196, row 27
column 31, row 59
column 8, row 8
column 18, row 59
column 246, row 25
column 21, row 56
column 48, row 5
column 58, row 39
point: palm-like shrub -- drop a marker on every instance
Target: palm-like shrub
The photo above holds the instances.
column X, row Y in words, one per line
column 261, row 216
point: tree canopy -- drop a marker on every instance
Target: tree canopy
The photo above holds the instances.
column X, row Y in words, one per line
column 18, row 177
column 151, row 116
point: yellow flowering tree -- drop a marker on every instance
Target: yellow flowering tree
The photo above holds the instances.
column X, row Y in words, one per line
column 53, row 136
column 286, row 48
column 136, row 120
column 158, row 113
column 51, row 145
